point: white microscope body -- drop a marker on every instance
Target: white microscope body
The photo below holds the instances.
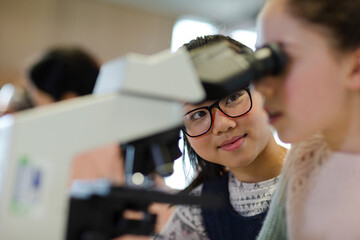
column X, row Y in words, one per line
column 135, row 96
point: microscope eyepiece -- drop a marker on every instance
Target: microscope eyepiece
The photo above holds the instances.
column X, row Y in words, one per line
column 223, row 71
column 270, row 60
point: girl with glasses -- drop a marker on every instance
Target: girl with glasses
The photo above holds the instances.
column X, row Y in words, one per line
column 315, row 104
column 231, row 146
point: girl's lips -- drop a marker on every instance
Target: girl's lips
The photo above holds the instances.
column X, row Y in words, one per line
column 233, row 144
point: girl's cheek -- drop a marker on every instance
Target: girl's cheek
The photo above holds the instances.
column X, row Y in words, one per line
column 200, row 144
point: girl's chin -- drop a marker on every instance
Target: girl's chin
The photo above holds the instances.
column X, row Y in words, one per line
column 288, row 136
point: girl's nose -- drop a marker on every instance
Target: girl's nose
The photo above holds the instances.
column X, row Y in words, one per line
column 221, row 122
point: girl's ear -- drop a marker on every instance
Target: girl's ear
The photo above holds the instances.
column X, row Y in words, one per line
column 353, row 82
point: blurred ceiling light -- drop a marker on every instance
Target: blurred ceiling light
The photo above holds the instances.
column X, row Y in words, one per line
column 187, row 29
column 246, row 37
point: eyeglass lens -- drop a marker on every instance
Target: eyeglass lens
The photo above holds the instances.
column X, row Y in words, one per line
column 199, row 120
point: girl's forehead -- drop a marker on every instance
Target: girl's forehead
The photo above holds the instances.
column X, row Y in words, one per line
column 277, row 24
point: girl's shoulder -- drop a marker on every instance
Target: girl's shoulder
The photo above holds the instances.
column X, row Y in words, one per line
column 196, row 191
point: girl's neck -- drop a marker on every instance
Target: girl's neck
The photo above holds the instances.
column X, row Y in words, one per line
column 267, row 165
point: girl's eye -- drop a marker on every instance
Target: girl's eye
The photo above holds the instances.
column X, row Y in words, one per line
column 197, row 115
column 234, row 98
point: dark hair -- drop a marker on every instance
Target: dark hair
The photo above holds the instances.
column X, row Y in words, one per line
column 65, row 69
column 339, row 17
column 210, row 39
column 207, row 170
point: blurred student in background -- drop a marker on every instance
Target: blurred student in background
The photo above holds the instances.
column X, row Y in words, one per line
column 63, row 73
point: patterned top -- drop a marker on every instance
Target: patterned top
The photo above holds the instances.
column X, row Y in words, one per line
column 317, row 195
column 247, row 199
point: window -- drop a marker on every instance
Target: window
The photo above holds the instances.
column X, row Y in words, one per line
column 187, row 29
column 247, row 37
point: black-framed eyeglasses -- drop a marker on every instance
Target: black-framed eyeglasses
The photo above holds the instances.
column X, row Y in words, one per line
column 198, row 121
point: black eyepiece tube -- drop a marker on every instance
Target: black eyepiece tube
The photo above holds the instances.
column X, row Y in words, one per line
column 223, row 71
column 269, row 60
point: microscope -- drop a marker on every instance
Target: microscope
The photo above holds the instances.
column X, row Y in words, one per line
column 137, row 102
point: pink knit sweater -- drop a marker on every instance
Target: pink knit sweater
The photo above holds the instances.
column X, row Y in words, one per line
column 323, row 193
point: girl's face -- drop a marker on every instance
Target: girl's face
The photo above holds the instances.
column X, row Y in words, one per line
column 310, row 95
column 234, row 142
